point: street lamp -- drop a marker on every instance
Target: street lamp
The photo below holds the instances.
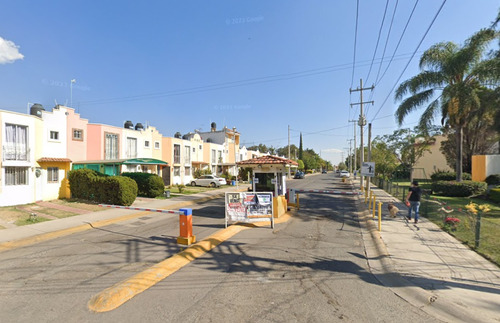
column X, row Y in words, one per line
column 71, row 91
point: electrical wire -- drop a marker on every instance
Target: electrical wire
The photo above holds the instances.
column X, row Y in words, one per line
column 378, row 40
column 411, row 58
column 355, row 41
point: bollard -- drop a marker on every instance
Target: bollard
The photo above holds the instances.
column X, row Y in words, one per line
column 374, row 198
column 379, row 216
column 186, row 236
column 298, row 202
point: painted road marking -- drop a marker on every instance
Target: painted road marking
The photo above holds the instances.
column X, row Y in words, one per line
column 116, row 295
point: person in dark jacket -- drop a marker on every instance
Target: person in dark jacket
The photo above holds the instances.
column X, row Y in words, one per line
column 413, row 198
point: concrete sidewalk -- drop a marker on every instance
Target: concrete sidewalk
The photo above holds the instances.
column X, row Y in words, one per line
column 430, row 268
column 33, row 231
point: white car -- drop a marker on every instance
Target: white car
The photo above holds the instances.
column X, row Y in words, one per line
column 222, row 181
column 344, row 173
column 206, row 180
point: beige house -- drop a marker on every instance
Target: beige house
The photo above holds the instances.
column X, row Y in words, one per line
column 431, row 161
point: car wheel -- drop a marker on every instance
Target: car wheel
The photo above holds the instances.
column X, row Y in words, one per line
column 193, row 183
column 212, row 184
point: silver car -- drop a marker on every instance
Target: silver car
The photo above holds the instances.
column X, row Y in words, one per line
column 206, row 180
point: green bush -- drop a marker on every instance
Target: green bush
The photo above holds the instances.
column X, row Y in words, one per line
column 91, row 185
column 198, row 172
column 495, row 195
column 83, row 183
column 449, row 176
column 149, row 185
column 458, row 189
column 493, row 179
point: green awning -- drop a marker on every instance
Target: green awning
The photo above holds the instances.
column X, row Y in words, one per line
column 144, row 161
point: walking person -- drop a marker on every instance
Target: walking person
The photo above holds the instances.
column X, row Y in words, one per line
column 413, row 199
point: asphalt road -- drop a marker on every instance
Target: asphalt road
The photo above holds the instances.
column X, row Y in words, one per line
column 310, row 269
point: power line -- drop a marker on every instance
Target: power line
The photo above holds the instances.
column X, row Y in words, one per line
column 355, row 40
column 387, row 39
column 399, row 42
column 378, row 39
column 231, row 84
column 407, row 64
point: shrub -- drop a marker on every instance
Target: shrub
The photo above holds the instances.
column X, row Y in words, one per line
column 458, row 189
column 149, row 185
column 198, row 172
column 448, row 176
column 180, row 187
column 495, row 195
column 83, row 183
column 493, row 179
column 91, row 185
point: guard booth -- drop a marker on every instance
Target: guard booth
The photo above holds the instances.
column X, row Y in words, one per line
column 269, row 175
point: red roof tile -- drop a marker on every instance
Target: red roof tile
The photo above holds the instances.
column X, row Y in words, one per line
column 53, row 160
column 268, row 159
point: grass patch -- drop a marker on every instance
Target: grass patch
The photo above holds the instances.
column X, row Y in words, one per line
column 489, row 245
column 26, row 220
column 79, row 204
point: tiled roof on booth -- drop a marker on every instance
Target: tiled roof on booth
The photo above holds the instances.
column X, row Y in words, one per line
column 268, row 159
column 53, row 160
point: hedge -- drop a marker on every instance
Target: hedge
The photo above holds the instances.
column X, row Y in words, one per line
column 91, row 185
column 495, row 195
column 493, row 179
column 458, row 189
column 149, row 185
column 449, row 176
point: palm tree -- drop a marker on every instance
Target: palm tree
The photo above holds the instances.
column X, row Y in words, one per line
column 455, row 75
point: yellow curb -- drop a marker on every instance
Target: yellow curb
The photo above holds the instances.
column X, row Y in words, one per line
column 114, row 296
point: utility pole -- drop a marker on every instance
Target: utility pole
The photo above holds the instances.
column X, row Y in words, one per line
column 289, row 166
column 369, row 154
column 361, row 121
column 355, row 151
column 350, row 155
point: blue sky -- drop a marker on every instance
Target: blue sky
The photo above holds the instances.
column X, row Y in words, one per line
column 258, row 66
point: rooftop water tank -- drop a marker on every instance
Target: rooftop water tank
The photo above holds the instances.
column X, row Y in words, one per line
column 177, row 135
column 36, row 110
column 139, row 126
column 128, row 124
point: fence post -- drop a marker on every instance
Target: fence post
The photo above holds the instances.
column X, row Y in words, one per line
column 373, row 214
column 379, row 216
column 478, row 229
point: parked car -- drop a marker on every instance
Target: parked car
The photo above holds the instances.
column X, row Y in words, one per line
column 344, row 173
column 299, row 175
column 222, row 181
column 324, row 171
column 206, row 180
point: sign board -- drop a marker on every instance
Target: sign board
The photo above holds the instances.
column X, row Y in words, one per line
column 368, row 169
column 256, row 180
column 249, row 207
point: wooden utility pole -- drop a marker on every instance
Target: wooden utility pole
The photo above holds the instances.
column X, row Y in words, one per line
column 361, row 121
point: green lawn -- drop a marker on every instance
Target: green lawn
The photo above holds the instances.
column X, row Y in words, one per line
column 188, row 190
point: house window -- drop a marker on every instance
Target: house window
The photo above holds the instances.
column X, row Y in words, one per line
column 187, row 171
column 16, row 142
column 177, row 171
column 187, row 156
column 111, row 146
column 213, row 169
column 52, row 174
column 157, row 145
column 146, row 144
column 220, row 157
column 16, row 175
column 194, row 150
column 177, row 154
column 213, row 157
column 54, row 135
column 78, row 134
column 131, row 147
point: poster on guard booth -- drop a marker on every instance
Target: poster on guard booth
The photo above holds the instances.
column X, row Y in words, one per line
column 241, row 205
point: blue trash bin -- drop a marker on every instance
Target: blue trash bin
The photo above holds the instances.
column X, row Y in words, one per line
column 233, row 183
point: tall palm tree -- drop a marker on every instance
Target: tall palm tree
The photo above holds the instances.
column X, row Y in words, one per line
column 455, row 75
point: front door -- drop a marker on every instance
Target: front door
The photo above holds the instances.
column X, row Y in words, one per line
column 165, row 175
